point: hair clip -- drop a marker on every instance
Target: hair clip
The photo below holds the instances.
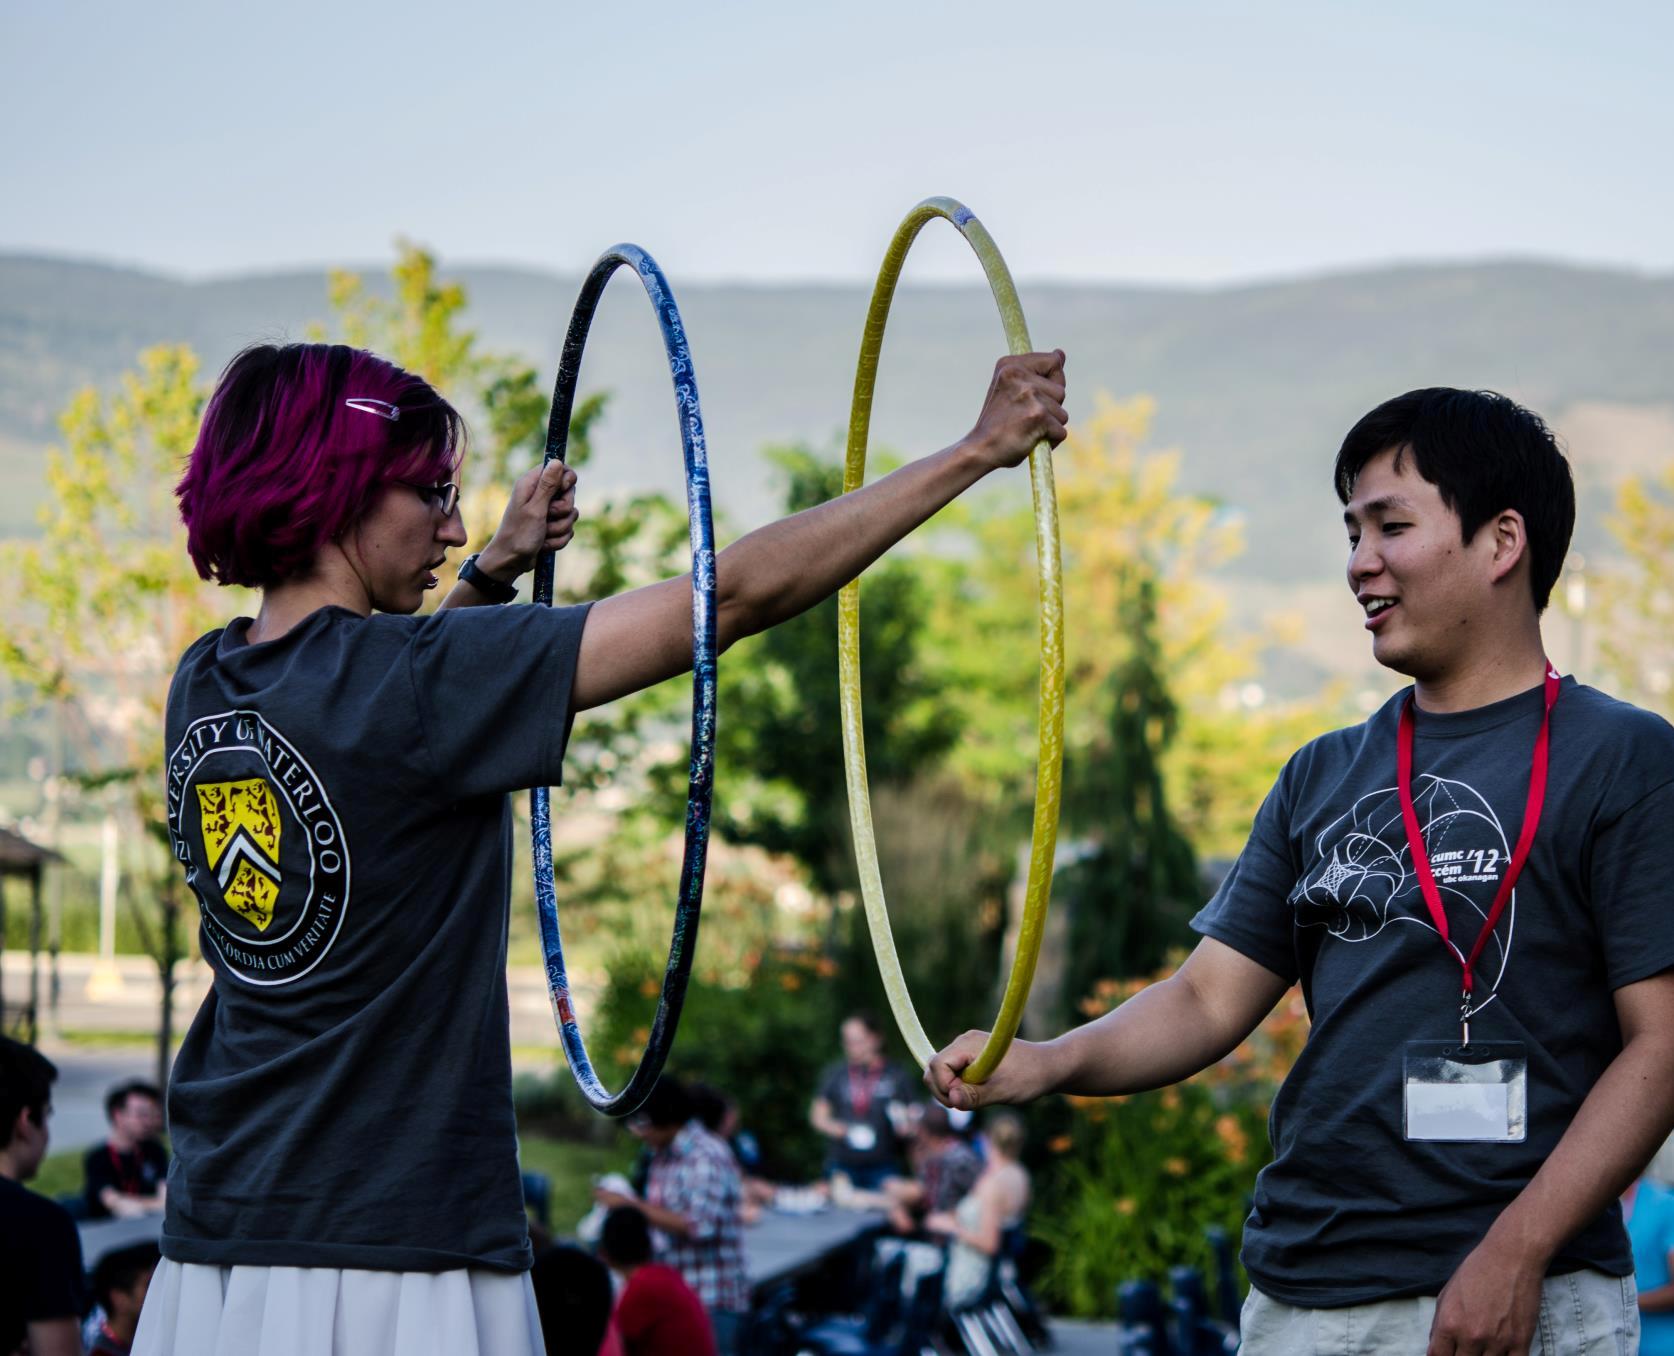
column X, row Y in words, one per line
column 382, row 408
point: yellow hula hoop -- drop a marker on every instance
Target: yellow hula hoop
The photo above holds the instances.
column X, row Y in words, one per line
column 1049, row 773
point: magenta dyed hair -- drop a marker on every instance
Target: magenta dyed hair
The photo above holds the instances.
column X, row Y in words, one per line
column 282, row 466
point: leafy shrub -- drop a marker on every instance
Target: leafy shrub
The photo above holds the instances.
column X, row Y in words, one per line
column 551, row 1105
column 760, row 1034
column 1129, row 1185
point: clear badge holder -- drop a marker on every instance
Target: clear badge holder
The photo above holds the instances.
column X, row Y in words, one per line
column 1457, row 1093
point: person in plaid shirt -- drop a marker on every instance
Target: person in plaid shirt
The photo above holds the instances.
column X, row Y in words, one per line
column 694, row 1200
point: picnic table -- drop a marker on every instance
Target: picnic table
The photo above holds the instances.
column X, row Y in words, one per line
column 778, row 1247
column 99, row 1236
column 781, row 1247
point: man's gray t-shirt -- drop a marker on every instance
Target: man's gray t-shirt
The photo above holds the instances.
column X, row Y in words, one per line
column 338, row 800
column 1349, row 1212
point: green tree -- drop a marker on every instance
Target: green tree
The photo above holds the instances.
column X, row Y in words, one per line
column 782, row 752
column 1637, row 618
column 1130, row 898
column 1119, row 503
column 621, row 755
column 110, row 600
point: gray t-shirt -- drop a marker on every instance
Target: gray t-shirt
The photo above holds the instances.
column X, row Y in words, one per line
column 1349, row 1212
column 338, row 800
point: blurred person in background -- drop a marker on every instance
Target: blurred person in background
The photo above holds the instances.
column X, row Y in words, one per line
column 719, row 1114
column 694, row 1199
column 945, row 1168
column 41, row 1282
column 127, row 1175
column 860, row 1101
column 657, row 1314
column 120, row 1280
column 996, row 1203
column 1648, row 1208
column 574, row 1295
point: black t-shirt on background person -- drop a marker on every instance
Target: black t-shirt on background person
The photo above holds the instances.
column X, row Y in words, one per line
column 1350, row 1211
column 139, row 1173
column 860, row 1098
column 40, row 1263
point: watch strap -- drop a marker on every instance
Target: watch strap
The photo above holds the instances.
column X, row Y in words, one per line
column 484, row 583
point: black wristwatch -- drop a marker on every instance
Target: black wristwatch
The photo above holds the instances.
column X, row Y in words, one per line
column 484, row 583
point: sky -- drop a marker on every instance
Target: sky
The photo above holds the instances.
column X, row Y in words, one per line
column 1200, row 143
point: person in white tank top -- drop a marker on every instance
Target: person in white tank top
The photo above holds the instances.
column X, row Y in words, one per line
column 997, row 1202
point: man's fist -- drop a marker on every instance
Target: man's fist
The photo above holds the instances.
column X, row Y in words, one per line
column 1025, row 404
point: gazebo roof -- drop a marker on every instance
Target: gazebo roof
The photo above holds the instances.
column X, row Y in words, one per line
column 18, row 856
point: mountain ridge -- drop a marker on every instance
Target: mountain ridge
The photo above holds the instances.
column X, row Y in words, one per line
column 1256, row 382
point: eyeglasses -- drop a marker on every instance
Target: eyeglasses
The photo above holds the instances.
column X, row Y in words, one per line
column 444, row 497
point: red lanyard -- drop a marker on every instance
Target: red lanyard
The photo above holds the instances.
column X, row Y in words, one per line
column 860, row 1094
column 1525, row 840
column 128, row 1184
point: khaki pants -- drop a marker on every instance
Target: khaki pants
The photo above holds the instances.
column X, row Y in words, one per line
column 1584, row 1313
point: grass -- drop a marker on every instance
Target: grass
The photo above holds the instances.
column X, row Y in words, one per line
column 60, row 1175
column 571, row 1167
column 103, row 1037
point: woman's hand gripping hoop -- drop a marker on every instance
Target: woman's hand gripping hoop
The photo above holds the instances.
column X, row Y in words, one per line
column 701, row 785
column 1049, row 773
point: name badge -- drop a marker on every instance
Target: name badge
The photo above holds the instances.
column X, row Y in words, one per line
column 1477, row 1093
column 862, row 1137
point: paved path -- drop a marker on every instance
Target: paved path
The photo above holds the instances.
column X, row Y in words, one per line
column 124, row 995
column 1079, row 1337
column 85, row 1075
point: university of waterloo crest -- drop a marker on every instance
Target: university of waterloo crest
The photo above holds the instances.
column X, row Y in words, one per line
column 241, row 829
column 262, row 845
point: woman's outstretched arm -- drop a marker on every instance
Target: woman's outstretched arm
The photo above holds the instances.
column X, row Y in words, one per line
column 637, row 639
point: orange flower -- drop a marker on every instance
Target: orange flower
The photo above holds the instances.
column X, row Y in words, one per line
column 1176, row 1167
column 1232, row 1137
column 790, row 981
column 826, row 967
column 1124, row 1205
column 1060, row 1144
column 650, row 988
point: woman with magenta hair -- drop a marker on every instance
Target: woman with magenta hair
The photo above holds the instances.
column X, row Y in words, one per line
column 345, row 1175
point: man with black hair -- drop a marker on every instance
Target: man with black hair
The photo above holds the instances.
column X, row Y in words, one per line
column 657, row 1315
column 40, row 1253
column 945, row 1168
column 573, row 1294
column 1473, row 889
column 127, row 1175
column 693, row 1197
column 120, row 1280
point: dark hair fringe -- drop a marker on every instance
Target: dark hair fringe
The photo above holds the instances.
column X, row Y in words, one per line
column 1484, row 453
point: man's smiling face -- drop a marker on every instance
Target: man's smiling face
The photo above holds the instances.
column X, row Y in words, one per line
column 1421, row 587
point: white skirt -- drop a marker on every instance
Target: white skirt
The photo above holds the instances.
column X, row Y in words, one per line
column 197, row 1310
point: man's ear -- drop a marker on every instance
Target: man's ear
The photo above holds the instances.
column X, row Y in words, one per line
column 1511, row 542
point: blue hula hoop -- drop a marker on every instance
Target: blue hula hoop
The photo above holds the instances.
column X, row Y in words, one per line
column 689, row 904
